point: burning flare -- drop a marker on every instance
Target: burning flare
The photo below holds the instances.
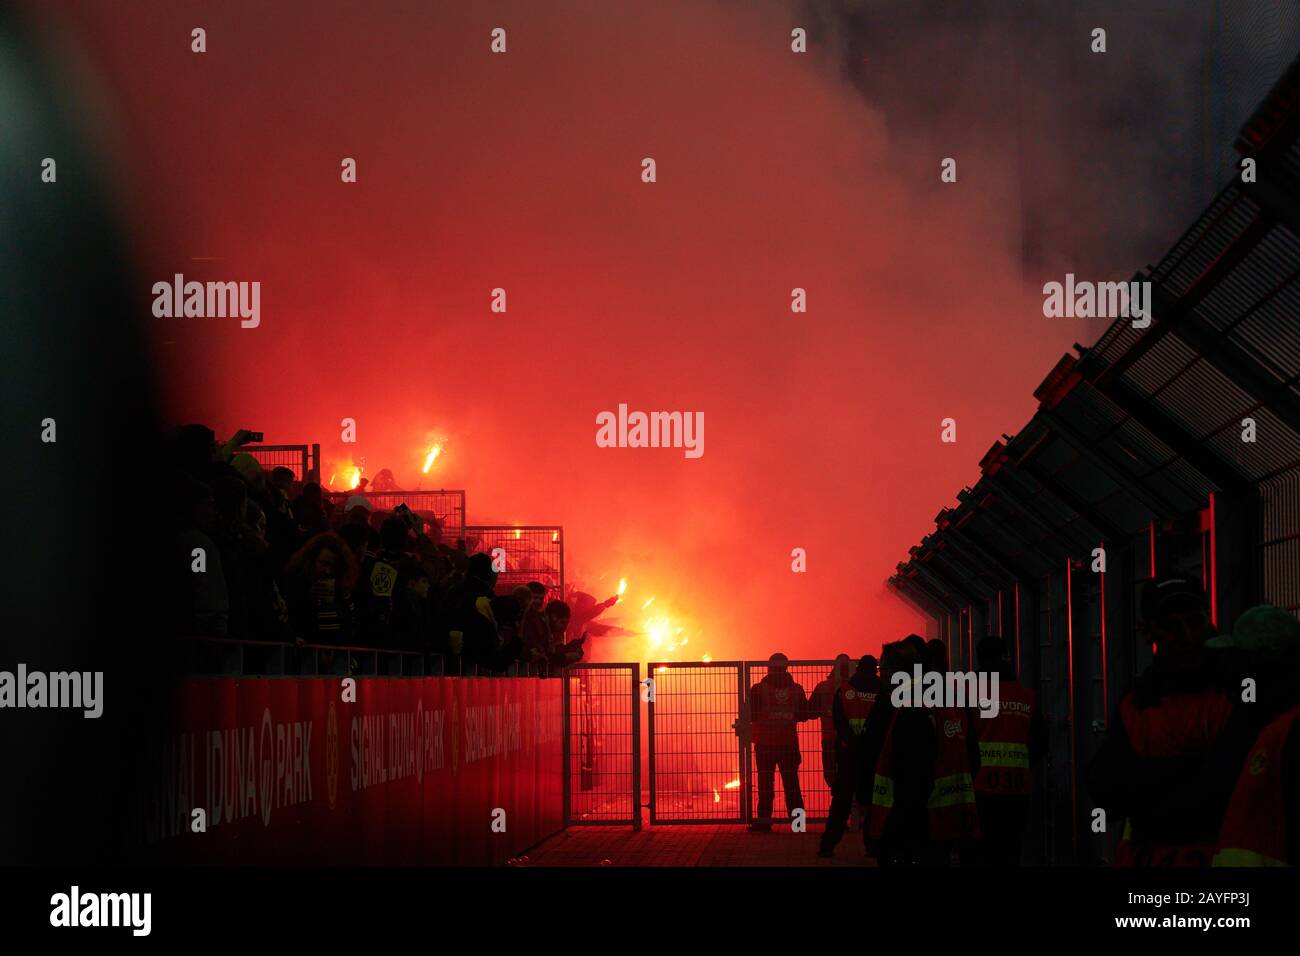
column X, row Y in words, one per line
column 658, row 630
column 434, row 451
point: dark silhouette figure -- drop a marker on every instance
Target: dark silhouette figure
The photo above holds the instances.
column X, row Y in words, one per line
column 776, row 705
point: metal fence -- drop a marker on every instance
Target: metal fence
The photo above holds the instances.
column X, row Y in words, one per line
column 222, row 657
column 602, row 745
column 442, row 508
column 225, row 657
column 816, row 742
column 703, row 766
column 696, row 760
column 302, row 460
column 532, row 553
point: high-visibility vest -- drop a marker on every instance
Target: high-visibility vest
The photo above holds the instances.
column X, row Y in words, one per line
column 951, row 806
column 952, row 801
column 827, row 723
column 1004, row 743
column 856, row 705
column 1177, row 725
column 882, row 787
column 1253, row 832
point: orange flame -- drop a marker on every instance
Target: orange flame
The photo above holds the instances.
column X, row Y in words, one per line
column 431, row 457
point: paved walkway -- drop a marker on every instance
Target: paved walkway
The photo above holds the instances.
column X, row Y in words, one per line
column 708, row 845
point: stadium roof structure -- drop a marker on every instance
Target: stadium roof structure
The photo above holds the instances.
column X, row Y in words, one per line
column 1146, row 424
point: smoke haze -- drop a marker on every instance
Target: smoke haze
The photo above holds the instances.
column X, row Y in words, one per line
column 522, row 171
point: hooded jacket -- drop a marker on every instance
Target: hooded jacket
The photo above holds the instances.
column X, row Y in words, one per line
column 777, row 704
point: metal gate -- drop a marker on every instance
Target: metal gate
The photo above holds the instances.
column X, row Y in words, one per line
column 816, row 753
column 702, row 763
column 602, row 744
column 695, row 753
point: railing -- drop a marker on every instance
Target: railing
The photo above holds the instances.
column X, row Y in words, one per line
column 531, row 553
column 302, row 460
column 225, row 657
column 442, row 507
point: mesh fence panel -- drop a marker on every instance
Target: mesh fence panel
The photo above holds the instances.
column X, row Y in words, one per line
column 445, row 508
column 816, row 752
column 695, row 767
column 297, row 458
column 602, row 745
column 532, row 553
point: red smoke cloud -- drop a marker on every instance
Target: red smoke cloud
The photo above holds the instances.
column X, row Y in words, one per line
column 522, row 171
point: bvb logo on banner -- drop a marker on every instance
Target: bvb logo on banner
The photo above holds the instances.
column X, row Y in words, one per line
column 332, row 755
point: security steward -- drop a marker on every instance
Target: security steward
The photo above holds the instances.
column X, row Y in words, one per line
column 849, row 712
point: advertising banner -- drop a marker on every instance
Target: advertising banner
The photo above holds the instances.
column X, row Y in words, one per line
column 435, row 770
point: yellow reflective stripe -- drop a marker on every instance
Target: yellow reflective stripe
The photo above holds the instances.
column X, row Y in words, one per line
column 948, row 791
column 997, row 754
column 951, row 790
column 1234, row 857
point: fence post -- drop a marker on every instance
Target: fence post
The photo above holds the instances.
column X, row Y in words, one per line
column 564, row 736
column 742, row 718
column 636, row 747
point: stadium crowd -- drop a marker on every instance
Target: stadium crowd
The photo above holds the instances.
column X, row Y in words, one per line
column 258, row 559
